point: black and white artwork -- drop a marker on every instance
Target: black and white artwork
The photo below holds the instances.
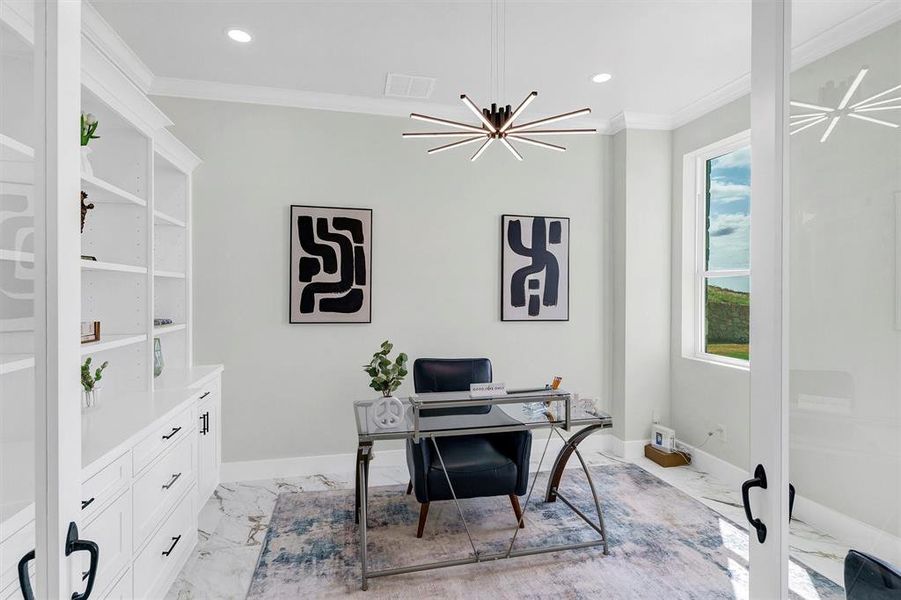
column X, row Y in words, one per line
column 534, row 268
column 331, row 265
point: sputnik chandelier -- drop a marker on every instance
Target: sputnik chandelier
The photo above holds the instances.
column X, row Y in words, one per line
column 497, row 124
column 862, row 111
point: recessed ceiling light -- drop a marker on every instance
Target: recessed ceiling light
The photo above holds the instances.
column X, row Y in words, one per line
column 239, row 35
column 602, row 78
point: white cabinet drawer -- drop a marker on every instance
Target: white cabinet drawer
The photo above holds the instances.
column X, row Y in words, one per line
column 160, row 487
column 12, row 548
column 104, row 485
column 111, row 531
column 163, row 438
column 166, row 551
column 121, row 590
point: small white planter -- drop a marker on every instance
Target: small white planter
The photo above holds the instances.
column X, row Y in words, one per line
column 86, row 168
column 387, row 412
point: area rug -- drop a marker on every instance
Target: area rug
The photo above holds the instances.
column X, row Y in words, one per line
column 663, row 545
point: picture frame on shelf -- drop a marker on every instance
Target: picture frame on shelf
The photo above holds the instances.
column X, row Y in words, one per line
column 90, row 331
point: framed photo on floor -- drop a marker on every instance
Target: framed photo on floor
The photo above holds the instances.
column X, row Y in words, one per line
column 331, row 265
column 534, row 268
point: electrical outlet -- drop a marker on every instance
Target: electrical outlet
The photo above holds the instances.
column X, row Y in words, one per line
column 719, row 432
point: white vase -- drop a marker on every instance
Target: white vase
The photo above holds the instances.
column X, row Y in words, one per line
column 387, row 412
column 86, row 160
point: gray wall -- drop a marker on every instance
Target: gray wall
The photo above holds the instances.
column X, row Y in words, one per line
column 288, row 389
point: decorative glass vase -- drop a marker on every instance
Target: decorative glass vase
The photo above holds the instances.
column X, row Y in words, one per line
column 86, row 168
column 89, row 398
column 158, row 363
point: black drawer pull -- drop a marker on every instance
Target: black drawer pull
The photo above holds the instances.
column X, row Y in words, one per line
column 171, row 433
column 86, row 503
column 172, row 547
column 172, row 481
column 205, row 394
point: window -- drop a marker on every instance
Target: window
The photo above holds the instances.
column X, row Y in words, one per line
column 722, row 274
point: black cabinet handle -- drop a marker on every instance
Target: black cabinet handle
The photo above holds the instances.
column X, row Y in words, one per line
column 205, row 394
column 172, row 547
column 171, row 433
column 759, row 480
column 73, row 544
column 205, row 423
column 86, row 503
column 172, row 481
column 24, row 580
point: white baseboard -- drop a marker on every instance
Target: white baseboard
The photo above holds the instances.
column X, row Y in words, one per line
column 721, row 469
column 304, row 466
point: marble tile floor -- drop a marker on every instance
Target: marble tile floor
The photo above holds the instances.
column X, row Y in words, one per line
column 233, row 524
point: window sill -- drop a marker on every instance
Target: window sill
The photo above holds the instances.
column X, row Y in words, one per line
column 709, row 359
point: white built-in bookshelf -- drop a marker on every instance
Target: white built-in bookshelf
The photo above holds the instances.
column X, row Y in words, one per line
column 138, row 231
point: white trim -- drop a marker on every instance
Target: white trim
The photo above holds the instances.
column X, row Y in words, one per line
column 104, row 37
column 253, row 94
column 305, row 466
column 175, row 151
column 635, row 120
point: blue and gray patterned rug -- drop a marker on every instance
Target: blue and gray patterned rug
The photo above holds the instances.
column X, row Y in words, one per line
column 663, row 545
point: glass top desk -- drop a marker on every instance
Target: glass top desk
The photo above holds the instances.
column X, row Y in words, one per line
column 456, row 414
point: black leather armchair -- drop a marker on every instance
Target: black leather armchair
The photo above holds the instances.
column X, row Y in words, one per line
column 495, row 464
column 868, row 578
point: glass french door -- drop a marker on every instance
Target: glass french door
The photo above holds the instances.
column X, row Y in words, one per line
column 843, row 313
column 40, row 432
column 825, row 323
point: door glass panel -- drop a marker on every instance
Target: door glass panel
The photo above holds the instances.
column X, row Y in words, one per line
column 844, row 295
column 18, row 341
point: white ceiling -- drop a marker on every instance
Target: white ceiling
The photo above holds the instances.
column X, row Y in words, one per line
column 664, row 56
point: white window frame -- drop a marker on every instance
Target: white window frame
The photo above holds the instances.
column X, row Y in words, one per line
column 695, row 273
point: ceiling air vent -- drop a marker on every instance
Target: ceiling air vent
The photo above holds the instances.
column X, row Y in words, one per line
column 409, row 86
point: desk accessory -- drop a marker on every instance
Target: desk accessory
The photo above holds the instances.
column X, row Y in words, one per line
column 487, row 390
column 663, row 438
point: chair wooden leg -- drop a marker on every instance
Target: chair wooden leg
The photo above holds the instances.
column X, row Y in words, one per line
column 423, row 514
column 410, row 487
column 517, row 510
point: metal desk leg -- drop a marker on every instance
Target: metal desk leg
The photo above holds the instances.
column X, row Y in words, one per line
column 363, row 514
column 563, row 457
column 364, row 454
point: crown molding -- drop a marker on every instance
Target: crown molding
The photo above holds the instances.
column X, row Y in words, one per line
column 636, row 120
column 251, row 94
column 107, row 41
column 176, row 152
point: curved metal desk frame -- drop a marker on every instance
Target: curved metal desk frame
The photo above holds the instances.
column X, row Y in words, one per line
column 559, row 415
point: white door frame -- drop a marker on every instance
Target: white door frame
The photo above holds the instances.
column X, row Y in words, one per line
column 770, row 62
column 57, row 65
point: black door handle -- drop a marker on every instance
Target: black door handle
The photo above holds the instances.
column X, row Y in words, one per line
column 173, row 432
column 791, row 501
column 24, row 580
column 759, row 480
column 73, row 544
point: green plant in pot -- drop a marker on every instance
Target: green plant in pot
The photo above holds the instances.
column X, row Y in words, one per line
column 90, row 380
column 89, row 124
column 387, row 375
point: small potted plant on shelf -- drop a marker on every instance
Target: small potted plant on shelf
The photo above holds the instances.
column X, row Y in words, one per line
column 386, row 376
column 89, row 125
column 89, row 382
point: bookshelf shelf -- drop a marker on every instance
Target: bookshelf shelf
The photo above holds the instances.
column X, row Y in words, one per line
column 10, row 363
column 161, row 218
column 96, row 265
column 165, row 329
column 14, row 150
column 102, row 191
column 111, row 342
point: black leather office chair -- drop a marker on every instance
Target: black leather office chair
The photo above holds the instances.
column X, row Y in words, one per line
column 479, row 466
column 868, row 578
